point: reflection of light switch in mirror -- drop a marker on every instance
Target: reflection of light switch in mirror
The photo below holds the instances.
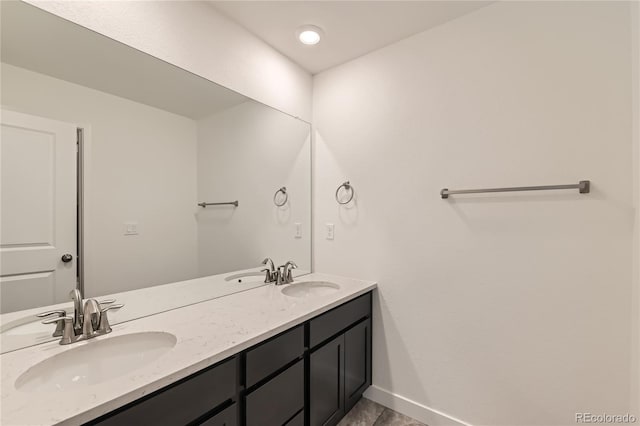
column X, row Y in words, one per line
column 131, row 228
column 298, row 230
column 330, row 231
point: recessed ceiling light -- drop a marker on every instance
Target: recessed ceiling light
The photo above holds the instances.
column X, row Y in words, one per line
column 309, row 34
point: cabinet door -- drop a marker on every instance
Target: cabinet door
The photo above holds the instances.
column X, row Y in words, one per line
column 326, row 383
column 357, row 362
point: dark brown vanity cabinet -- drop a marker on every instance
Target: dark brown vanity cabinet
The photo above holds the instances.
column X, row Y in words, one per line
column 340, row 369
column 311, row 374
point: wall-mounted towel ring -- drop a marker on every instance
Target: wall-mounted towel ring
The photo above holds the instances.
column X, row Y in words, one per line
column 347, row 187
column 284, row 199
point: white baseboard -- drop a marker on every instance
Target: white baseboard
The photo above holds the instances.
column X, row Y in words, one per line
column 411, row 408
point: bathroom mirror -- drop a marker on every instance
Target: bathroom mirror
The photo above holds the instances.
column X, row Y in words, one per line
column 107, row 155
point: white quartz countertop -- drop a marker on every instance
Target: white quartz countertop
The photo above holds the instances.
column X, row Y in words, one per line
column 206, row 333
column 148, row 301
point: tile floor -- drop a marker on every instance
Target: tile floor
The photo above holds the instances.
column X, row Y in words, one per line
column 368, row 413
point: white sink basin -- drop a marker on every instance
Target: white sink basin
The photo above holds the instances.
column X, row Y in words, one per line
column 310, row 289
column 26, row 326
column 245, row 277
column 95, row 361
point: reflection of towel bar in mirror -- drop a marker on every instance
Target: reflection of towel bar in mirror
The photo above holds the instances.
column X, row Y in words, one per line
column 584, row 186
column 227, row 203
column 284, row 198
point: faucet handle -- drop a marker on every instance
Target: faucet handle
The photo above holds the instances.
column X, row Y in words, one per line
column 111, row 307
column 68, row 335
column 106, row 301
column 64, row 318
column 288, row 267
column 269, row 275
column 60, row 314
column 104, row 327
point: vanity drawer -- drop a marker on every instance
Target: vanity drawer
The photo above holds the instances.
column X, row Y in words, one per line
column 274, row 354
column 227, row 417
column 337, row 319
column 278, row 400
column 182, row 402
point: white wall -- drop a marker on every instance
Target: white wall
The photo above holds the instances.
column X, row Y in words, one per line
column 142, row 168
column 509, row 309
column 246, row 153
column 195, row 36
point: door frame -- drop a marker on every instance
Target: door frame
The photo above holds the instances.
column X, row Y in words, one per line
column 84, row 204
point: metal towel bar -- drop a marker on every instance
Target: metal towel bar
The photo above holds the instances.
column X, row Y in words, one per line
column 584, row 186
column 227, row 203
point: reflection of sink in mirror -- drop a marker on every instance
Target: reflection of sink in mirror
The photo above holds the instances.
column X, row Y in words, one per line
column 244, row 277
column 25, row 326
column 310, row 289
column 96, row 361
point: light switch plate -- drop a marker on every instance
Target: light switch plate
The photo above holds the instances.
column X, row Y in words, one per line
column 330, row 231
column 131, row 228
column 298, row 233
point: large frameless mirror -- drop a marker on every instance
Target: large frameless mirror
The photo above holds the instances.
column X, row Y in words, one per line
column 131, row 178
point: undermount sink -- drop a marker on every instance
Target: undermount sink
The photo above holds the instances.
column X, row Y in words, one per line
column 95, row 361
column 246, row 277
column 26, row 326
column 310, row 288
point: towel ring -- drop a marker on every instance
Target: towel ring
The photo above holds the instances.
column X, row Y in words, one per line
column 347, row 186
column 282, row 190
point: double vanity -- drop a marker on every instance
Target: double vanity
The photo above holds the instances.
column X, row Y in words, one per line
column 297, row 354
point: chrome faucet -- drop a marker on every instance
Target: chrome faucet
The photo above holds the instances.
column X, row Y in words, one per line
column 88, row 321
column 284, row 273
column 91, row 318
column 76, row 297
column 271, row 272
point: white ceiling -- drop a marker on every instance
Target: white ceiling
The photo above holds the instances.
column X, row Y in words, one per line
column 352, row 28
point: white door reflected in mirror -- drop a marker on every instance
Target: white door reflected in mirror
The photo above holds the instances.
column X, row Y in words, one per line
column 38, row 186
